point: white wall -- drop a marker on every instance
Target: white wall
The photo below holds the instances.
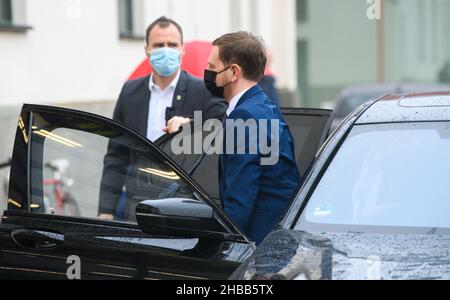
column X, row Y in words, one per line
column 66, row 56
column 74, row 54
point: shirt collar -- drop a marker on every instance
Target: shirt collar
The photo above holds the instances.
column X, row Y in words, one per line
column 153, row 87
column 235, row 100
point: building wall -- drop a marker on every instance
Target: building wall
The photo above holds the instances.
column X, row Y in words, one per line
column 67, row 56
column 74, row 53
column 340, row 51
column 417, row 39
column 342, row 44
column 341, row 47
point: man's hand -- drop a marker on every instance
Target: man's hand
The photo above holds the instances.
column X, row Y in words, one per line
column 107, row 217
column 175, row 123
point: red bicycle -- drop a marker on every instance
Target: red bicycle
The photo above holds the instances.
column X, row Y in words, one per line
column 62, row 202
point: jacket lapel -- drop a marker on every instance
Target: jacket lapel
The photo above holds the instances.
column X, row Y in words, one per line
column 143, row 106
column 178, row 96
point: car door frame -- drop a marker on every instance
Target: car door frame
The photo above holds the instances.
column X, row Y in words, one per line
column 296, row 111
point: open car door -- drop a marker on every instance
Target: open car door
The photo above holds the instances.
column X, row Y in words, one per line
column 69, row 167
column 309, row 128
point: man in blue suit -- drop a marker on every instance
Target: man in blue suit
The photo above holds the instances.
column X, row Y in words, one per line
column 254, row 194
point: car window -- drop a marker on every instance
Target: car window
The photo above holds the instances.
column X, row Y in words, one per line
column 309, row 132
column 84, row 168
column 385, row 175
column 201, row 167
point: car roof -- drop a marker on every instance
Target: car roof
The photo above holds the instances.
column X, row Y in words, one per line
column 401, row 87
column 416, row 107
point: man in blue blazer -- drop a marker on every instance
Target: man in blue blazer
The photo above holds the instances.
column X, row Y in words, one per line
column 253, row 194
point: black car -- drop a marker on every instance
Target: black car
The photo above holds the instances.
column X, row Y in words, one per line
column 376, row 204
column 181, row 231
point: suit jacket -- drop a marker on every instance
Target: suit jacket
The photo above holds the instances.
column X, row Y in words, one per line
column 190, row 95
column 267, row 84
column 132, row 109
column 255, row 195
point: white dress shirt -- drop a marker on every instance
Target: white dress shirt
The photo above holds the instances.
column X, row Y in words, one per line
column 235, row 100
column 159, row 101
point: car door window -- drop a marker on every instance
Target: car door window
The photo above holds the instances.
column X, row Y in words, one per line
column 84, row 168
column 309, row 128
column 202, row 167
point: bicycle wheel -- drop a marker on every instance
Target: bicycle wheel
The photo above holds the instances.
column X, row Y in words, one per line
column 70, row 205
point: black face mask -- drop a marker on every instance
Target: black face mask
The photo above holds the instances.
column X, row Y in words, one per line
column 210, row 82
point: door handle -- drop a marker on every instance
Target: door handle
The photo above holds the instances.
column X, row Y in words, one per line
column 37, row 239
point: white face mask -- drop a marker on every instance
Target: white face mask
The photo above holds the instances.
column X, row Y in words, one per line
column 165, row 61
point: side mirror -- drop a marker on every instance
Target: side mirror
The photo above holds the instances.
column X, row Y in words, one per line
column 177, row 217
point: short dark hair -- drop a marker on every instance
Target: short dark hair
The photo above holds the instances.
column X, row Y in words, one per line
column 163, row 22
column 244, row 49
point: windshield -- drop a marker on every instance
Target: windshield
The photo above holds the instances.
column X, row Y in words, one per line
column 386, row 175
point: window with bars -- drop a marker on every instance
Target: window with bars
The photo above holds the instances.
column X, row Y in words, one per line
column 126, row 17
column 12, row 16
column 302, row 11
column 5, row 12
column 131, row 19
